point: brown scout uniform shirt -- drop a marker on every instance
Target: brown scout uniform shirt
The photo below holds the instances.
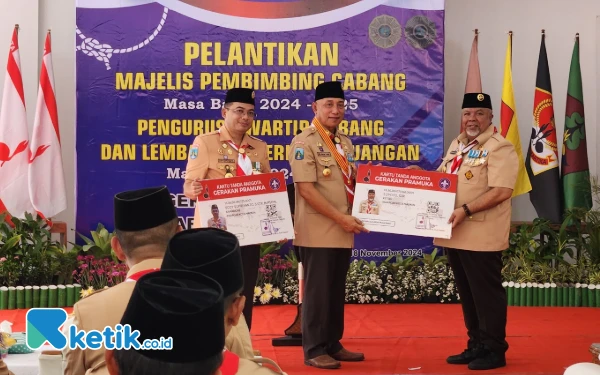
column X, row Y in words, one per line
column 258, row 366
column 364, row 206
column 103, row 308
column 312, row 228
column 4, row 369
column 106, row 308
column 488, row 230
column 212, row 158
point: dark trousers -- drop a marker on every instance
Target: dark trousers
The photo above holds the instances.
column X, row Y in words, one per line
column 250, row 262
column 479, row 281
column 324, row 298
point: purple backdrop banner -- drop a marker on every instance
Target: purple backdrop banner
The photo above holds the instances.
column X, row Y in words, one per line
column 151, row 75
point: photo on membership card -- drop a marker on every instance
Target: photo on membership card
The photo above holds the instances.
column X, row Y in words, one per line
column 217, row 219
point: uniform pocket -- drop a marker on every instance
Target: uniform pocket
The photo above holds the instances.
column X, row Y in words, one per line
column 327, row 169
column 471, row 174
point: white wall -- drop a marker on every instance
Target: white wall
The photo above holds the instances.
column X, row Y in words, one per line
column 35, row 17
column 561, row 19
column 494, row 18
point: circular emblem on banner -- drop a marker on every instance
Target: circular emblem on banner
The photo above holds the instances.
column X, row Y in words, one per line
column 420, row 31
column 444, row 184
column 274, row 183
column 385, row 31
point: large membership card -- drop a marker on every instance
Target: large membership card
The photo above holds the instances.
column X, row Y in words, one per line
column 255, row 208
column 405, row 201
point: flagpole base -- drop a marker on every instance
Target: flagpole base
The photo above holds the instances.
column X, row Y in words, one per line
column 293, row 332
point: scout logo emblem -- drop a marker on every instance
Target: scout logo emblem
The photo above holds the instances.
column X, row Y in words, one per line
column 274, row 183
column 326, row 172
column 368, row 176
column 299, row 154
column 206, row 194
column 444, row 184
column 480, row 97
column 469, row 175
column 194, row 152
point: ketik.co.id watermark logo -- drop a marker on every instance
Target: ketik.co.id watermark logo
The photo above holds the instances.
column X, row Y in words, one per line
column 45, row 325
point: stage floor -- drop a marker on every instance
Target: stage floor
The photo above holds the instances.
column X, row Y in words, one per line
column 416, row 339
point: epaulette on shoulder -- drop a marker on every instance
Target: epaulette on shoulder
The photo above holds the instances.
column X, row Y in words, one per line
column 208, row 134
column 497, row 137
column 309, row 131
column 94, row 293
column 256, row 139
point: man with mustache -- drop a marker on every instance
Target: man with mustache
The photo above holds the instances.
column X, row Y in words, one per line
column 487, row 166
column 324, row 173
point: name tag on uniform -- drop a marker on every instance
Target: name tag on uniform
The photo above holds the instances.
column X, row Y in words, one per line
column 230, row 161
column 324, row 154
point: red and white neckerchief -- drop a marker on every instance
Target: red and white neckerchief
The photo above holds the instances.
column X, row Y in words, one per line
column 244, row 164
column 136, row 276
column 342, row 160
column 231, row 363
column 369, row 208
column 457, row 161
column 462, row 149
column 217, row 224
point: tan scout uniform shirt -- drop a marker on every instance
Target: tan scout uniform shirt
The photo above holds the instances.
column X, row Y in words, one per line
column 95, row 312
column 212, row 158
column 308, row 157
column 238, row 340
column 252, row 367
column 106, row 308
column 488, row 230
column 4, row 369
column 364, row 207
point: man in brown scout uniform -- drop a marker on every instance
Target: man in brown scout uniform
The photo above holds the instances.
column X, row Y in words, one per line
column 216, row 254
column 370, row 205
column 322, row 163
column 145, row 220
column 487, row 166
column 230, row 152
column 184, row 307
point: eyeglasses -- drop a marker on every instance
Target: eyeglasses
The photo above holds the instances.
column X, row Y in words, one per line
column 240, row 112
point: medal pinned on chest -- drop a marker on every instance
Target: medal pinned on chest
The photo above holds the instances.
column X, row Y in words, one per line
column 256, row 167
column 327, row 172
column 473, row 157
column 228, row 173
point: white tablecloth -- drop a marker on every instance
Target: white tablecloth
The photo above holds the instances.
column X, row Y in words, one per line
column 25, row 364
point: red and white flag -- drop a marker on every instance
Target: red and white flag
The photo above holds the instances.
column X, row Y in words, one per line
column 14, row 139
column 46, row 176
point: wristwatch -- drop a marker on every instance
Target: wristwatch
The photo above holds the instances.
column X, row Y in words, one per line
column 467, row 211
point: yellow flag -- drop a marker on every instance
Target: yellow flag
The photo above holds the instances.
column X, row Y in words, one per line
column 509, row 124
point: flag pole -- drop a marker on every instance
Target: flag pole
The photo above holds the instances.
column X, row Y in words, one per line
column 510, row 35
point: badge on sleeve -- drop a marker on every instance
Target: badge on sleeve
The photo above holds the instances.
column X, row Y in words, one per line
column 194, row 152
column 299, row 154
